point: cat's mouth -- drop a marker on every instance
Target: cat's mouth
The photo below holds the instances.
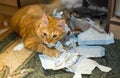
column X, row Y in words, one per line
column 50, row 45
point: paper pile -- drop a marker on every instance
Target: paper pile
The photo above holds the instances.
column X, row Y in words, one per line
column 77, row 57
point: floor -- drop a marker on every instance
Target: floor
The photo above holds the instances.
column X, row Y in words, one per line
column 111, row 61
column 116, row 30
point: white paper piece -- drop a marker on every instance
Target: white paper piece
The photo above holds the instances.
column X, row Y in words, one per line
column 93, row 37
column 86, row 66
column 57, row 14
column 104, row 68
column 18, row 47
column 59, row 47
column 91, row 51
column 50, row 45
column 3, row 30
column 71, row 40
column 46, row 61
column 66, row 59
column 67, row 29
column 77, row 75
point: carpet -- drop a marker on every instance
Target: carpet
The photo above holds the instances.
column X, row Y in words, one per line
column 111, row 59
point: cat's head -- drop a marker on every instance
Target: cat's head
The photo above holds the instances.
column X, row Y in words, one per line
column 50, row 29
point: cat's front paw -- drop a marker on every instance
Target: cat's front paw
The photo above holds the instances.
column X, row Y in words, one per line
column 52, row 52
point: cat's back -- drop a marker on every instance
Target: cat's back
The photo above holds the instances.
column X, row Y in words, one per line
column 25, row 16
column 31, row 10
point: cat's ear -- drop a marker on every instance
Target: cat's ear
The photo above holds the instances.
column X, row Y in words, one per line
column 61, row 24
column 44, row 20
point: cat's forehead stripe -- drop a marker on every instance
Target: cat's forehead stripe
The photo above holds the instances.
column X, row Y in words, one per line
column 53, row 25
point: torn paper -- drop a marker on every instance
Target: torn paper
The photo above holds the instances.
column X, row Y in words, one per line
column 69, row 57
column 86, row 66
column 66, row 59
column 73, row 62
column 57, row 14
column 93, row 37
column 85, row 24
column 18, row 47
column 90, row 51
column 75, row 58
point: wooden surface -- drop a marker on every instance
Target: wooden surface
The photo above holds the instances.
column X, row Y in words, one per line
column 115, row 20
column 14, row 59
column 7, row 9
column 9, row 2
column 112, row 7
column 115, row 29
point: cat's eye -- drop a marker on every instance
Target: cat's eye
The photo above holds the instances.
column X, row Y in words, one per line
column 44, row 34
column 54, row 36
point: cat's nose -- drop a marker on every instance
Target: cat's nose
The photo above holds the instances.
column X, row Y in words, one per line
column 49, row 41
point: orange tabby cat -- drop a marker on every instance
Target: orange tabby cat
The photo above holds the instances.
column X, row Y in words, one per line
column 38, row 29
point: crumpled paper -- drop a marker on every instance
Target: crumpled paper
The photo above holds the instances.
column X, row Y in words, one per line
column 77, row 62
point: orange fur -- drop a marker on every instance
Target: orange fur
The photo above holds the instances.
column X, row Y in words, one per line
column 33, row 22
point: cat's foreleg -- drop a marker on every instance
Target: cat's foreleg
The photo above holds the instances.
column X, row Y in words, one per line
column 36, row 46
